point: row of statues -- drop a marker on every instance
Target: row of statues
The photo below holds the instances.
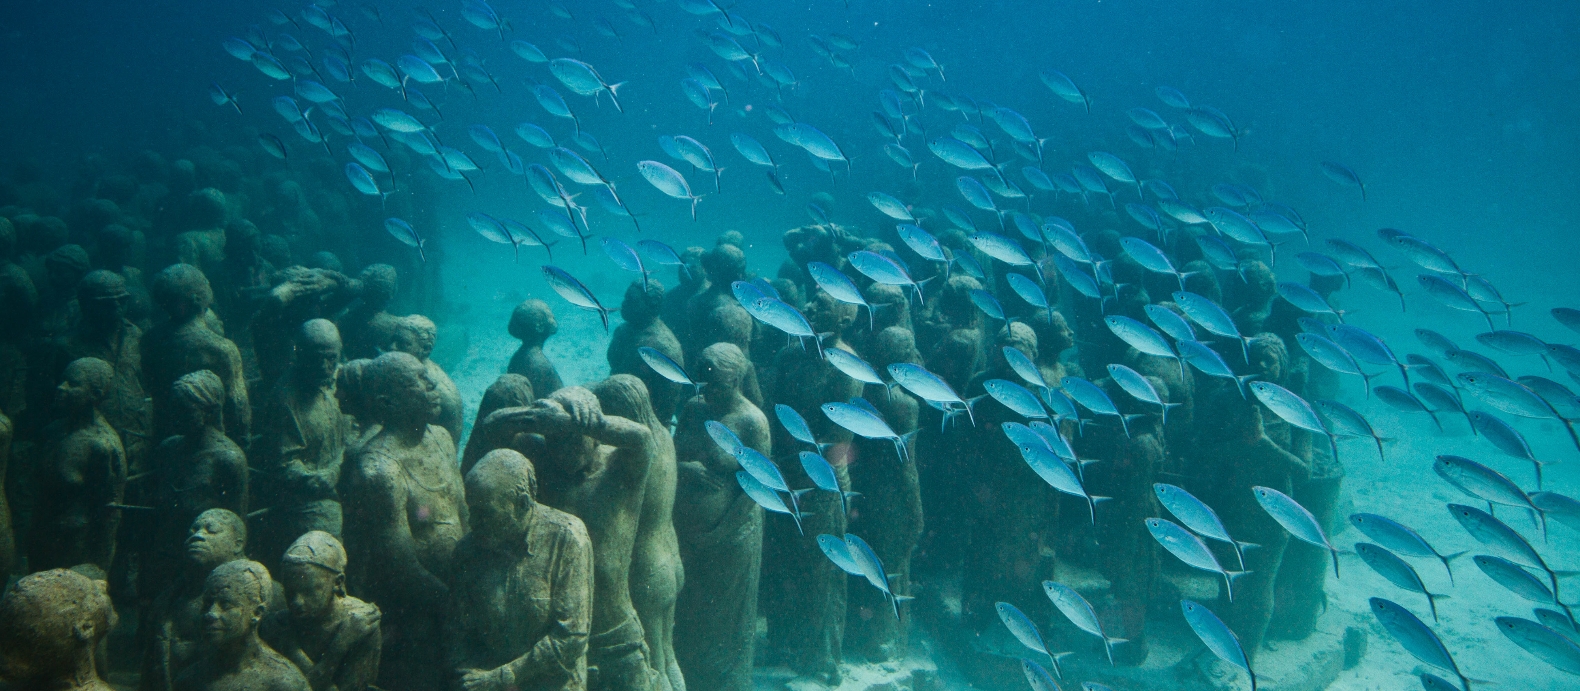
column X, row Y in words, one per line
column 273, row 482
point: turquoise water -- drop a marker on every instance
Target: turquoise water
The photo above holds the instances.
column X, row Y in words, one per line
column 1458, row 117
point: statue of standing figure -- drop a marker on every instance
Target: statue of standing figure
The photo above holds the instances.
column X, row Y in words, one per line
column 595, row 467
column 720, row 528
column 405, row 512
column 81, row 477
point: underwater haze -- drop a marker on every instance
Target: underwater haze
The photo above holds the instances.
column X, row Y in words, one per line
column 1266, row 225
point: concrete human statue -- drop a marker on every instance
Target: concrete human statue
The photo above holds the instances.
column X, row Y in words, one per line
column 719, row 527
column 404, row 513
column 508, row 391
column 365, row 326
column 18, row 302
column 231, row 656
column 351, row 390
column 533, row 323
column 81, row 474
column 170, row 627
column 103, row 331
column 643, row 328
column 712, row 315
column 888, row 515
column 803, row 595
column 519, row 614
column 301, row 443
column 51, row 624
column 195, row 470
column 187, row 344
column 690, row 280
column 656, row 571
column 595, row 466
column 331, row 637
column 298, row 294
column 415, row 335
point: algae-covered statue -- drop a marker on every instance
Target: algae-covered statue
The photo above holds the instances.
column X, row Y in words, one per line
column 81, row 474
column 404, row 513
column 331, row 637
column 519, row 614
column 720, row 528
column 302, row 440
column 595, row 466
column 231, row 656
column 187, row 344
column 415, row 335
column 508, row 391
column 533, row 323
column 170, row 628
column 197, row 469
column 643, row 328
column 656, row 572
column 51, row 624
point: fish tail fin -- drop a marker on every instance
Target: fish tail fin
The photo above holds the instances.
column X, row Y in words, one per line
column 1108, row 645
column 603, row 314
column 1242, row 381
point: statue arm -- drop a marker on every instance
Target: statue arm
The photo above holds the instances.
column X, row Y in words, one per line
column 634, row 440
column 109, row 464
column 238, row 412
column 557, row 654
column 540, row 417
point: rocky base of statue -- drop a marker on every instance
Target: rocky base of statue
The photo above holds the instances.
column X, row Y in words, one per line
column 915, row 673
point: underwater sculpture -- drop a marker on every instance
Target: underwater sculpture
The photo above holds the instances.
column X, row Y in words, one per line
column 82, row 475
column 720, row 528
column 405, row 512
column 51, row 623
column 331, row 637
column 186, row 344
column 645, row 328
column 595, row 466
column 231, row 656
column 301, row 445
column 533, row 323
column 519, row 614
column 169, row 634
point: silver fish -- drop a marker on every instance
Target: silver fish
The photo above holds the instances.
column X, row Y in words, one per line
column 872, row 567
column 1401, row 538
column 1291, row 408
column 867, row 424
column 1016, row 398
column 1135, row 384
column 822, row 474
column 1550, row 646
column 1217, row 637
column 1209, row 362
column 1092, row 397
column 1190, row 549
column 1142, row 338
column 574, row 292
column 1343, row 420
column 1490, row 531
column 1507, row 439
column 1053, row 470
column 838, row 551
column 1198, row 517
column 1399, row 573
column 853, row 366
column 1415, row 637
column 1026, row 632
column 928, row 386
column 1080, row 612
column 1516, row 579
column 1295, row 519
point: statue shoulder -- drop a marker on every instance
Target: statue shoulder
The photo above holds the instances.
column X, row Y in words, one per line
column 563, row 525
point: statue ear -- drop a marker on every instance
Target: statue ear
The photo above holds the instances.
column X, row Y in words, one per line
column 83, row 630
column 340, row 584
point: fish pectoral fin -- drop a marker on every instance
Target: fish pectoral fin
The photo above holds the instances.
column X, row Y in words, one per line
column 1244, row 546
column 1099, row 500
column 1234, row 575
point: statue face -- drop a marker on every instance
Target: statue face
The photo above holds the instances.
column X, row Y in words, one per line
column 213, row 542
column 74, row 394
column 318, row 362
column 310, row 591
column 415, row 399
column 498, row 517
column 228, row 614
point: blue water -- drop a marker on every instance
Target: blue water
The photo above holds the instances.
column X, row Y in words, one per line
column 1459, row 117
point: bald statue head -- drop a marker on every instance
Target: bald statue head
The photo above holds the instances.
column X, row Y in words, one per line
column 723, row 367
column 501, row 495
column 84, row 385
column 317, row 352
column 416, row 335
column 532, row 322
column 182, row 291
column 399, row 392
column 643, row 302
column 50, row 624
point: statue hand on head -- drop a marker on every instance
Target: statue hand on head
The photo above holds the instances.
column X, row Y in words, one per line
column 500, row 679
column 582, row 406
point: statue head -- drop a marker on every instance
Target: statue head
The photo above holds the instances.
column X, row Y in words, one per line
column 66, row 265
column 894, row 345
column 415, row 335
column 722, row 367
column 102, row 297
column 379, row 285
column 501, row 494
column 532, row 322
column 898, row 310
column 115, row 245
column 1269, row 357
column 51, row 622
column 1202, row 279
column 215, row 537
column 1017, row 335
column 199, row 402
column 400, row 394
column 313, row 574
column 85, row 384
column 827, row 315
column 642, row 302
column 724, row 264
column 508, row 391
column 1054, row 335
column 623, row 395
column 955, row 305
column 182, row 291
column 235, row 598
column 1260, row 282
column 317, row 352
